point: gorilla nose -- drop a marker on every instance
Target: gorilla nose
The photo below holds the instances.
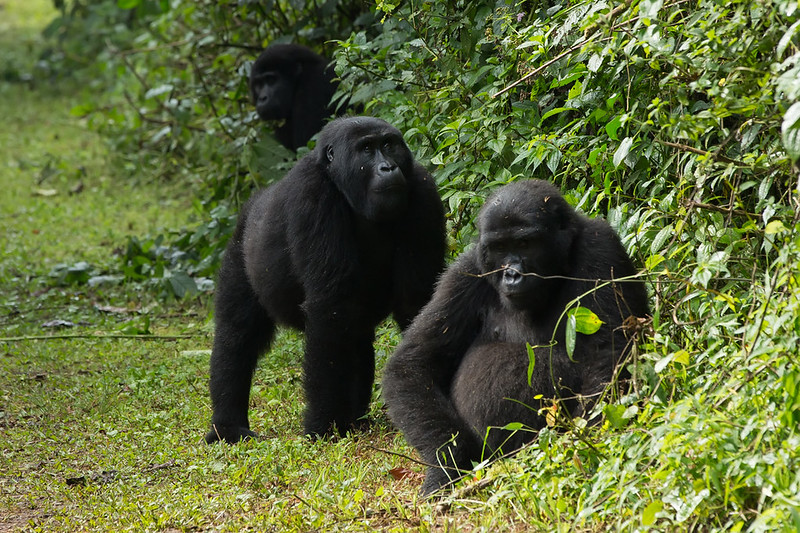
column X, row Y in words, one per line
column 511, row 275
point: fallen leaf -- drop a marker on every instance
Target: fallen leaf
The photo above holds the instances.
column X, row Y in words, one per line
column 400, row 473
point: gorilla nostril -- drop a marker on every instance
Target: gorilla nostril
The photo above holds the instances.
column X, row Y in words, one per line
column 511, row 274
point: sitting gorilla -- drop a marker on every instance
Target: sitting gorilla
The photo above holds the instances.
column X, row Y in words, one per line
column 355, row 231
column 291, row 83
column 462, row 365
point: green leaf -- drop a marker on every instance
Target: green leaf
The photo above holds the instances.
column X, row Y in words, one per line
column 531, row 362
column 586, row 321
column 682, row 357
column 661, row 237
column 649, row 513
column 554, row 112
column 182, row 284
column 649, row 8
column 786, row 39
column 790, row 131
column 128, row 4
column 653, row 261
column 513, row 426
column 570, row 334
column 613, row 126
column 594, row 63
column 623, row 150
column 776, row 226
column 615, row 415
column 553, row 158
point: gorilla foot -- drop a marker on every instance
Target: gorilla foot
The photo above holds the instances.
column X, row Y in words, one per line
column 438, row 480
column 229, row 434
column 331, row 430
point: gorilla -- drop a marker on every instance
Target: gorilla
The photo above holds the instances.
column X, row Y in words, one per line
column 291, row 83
column 354, row 232
column 460, row 373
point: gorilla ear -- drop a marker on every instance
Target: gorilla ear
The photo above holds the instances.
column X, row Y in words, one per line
column 329, row 153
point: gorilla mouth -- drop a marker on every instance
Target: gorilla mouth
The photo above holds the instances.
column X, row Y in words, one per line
column 518, row 296
column 390, row 188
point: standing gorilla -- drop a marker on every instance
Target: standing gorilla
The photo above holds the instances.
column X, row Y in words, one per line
column 462, row 365
column 291, row 83
column 354, row 232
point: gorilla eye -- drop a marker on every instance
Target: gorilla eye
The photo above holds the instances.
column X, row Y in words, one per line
column 498, row 247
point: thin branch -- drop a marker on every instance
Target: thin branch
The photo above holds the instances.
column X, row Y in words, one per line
column 582, row 41
column 690, row 204
column 633, row 278
column 461, row 493
column 95, row 336
column 687, row 148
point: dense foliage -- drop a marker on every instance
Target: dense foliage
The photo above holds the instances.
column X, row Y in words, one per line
column 679, row 121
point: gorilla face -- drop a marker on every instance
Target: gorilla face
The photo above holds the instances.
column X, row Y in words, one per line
column 524, row 238
column 292, row 85
column 272, row 90
column 369, row 164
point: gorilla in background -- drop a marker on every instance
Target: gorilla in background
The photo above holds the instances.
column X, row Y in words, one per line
column 354, row 232
column 461, row 367
column 291, row 83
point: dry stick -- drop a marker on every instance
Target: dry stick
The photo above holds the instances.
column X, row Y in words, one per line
column 687, row 148
column 690, row 204
column 461, row 493
column 92, row 336
column 398, row 454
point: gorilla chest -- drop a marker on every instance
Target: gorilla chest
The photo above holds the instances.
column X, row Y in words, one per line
column 502, row 325
column 374, row 273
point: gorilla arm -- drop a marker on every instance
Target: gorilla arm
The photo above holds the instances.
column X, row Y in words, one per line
column 417, row 378
column 339, row 328
column 418, row 248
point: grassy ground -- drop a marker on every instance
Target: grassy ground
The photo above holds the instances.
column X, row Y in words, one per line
column 102, row 431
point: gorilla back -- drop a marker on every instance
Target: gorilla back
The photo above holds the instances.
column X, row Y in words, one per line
column 354, row 232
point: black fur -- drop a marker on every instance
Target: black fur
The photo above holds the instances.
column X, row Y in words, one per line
column 354, row 232
column 465, row 354
column 290, row 83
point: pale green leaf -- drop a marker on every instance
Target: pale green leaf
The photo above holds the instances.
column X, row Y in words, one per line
column 623, row 150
